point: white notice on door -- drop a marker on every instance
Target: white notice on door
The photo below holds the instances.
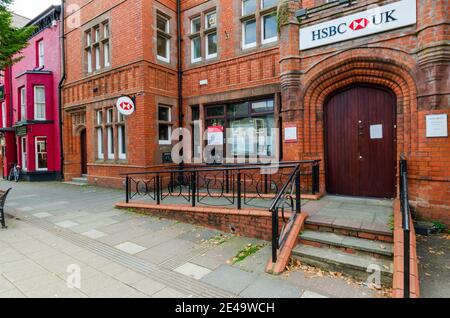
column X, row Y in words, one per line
column 376, row 132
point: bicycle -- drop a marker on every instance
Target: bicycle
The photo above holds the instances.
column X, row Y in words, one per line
column 15, row 173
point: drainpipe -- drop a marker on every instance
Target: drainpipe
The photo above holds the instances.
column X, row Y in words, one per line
column 61, row 82
column 180, row 73
column 11, row 115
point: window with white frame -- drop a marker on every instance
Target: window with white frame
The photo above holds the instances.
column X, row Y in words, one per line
column 39, row 103
column 204, row 30
column 163, row 37
column 211, row 36
column 4, row 114
column 259, row 13
column 211, row 45
column 97, row 58
column 210, row 20
column 114, row 129
column 265, row 4
column 40, row 53
column 248, row 7
column 196, row 25
column 165, row 124
column 106, row 55
column 23, row 143
column 196, row 39
column 196, row 49
column 97, row 47
column 89, row 60
column 41, row 154
column 106, row 45
column 110, row 133
column 23, row 103
column 269, row 31
column 121, row 136
column 249, row 34
column 99, row 128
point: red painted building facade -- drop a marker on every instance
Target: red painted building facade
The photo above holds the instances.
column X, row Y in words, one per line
column 30, row 115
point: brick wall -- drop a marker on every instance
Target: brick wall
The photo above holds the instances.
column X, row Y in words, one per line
column 250, row 223
column 412, row 62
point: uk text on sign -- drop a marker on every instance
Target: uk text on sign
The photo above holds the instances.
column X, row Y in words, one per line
column 374, row 20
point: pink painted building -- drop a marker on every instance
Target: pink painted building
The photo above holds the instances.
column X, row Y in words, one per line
column 30, row 110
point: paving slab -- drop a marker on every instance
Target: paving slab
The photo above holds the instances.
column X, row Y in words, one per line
column 167, row 250
column 148, row 286
column 265, row 287
column 66, row 224
column 257, row 262
column 192, row 270
column 310, row 294
column 94, row 234
column 230, row 279
column 170, row 293
column 130, row 248
column 42, row 215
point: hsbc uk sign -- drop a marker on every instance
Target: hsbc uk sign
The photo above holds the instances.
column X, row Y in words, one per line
column 374, row 20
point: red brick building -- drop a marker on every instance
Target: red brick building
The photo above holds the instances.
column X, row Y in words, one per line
column 350, row 83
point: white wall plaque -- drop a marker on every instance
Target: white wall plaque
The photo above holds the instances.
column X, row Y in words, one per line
column 374, row 20
column 290, row 134
column 437, row 126
column 376, row 132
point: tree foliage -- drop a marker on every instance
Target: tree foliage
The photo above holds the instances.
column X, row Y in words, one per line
column 12, row 40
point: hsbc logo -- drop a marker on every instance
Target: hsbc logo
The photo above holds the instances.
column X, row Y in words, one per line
column 355, row 25
column 125, row 105
column 374, row 20
column 359, row 24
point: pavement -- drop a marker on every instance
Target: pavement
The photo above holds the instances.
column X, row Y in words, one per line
column 434, row 265
column 69, row 241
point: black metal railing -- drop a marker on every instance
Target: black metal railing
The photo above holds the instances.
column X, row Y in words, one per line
column 238, row 185
column 276, row 186
column 288, row 198
column 406, row 220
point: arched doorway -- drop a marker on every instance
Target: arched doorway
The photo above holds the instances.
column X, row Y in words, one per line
column 83, row 152
column 360, row 142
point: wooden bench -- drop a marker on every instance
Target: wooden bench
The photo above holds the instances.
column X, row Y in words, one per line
column 3, row 195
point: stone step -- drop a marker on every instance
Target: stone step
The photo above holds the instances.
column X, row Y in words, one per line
column 354, row 265
column 377, row 232
column 80, row 180
column 83, row 181
column 347, row 243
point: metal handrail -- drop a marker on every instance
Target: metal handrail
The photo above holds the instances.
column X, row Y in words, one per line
column 278, row 239
column 406, row 221
column 283, row 190
column 229, row 167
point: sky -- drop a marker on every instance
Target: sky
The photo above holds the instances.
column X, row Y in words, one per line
column 31, row 8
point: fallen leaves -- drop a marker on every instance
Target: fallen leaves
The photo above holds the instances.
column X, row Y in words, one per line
column 295, row 265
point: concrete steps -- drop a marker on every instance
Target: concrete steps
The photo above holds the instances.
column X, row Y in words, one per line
column 376, row 232
column 359, row 266
column 82, row 181
column 348, row 244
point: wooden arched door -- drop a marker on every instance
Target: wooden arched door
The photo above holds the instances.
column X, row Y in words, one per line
column 360, row 142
